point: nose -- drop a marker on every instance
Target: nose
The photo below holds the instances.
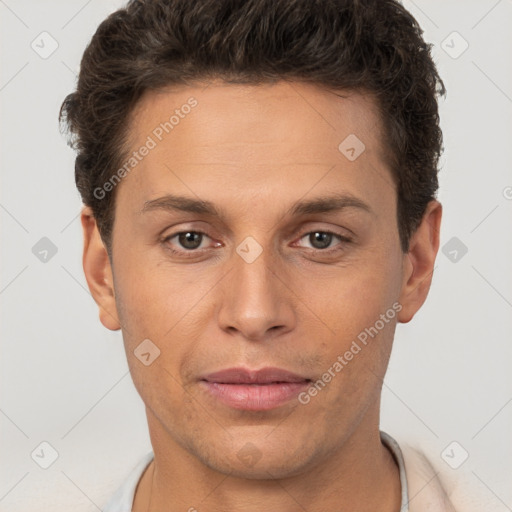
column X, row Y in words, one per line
column 257, row 302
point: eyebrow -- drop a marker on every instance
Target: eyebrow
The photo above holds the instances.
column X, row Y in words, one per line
column 324, row 204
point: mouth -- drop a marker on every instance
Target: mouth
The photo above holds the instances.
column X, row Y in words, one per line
column 254, row 390
column 267, row 375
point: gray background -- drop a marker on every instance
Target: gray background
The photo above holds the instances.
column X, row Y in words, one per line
column 64, row 378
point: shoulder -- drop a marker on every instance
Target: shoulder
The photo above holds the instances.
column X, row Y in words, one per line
column 434, row 486
column 122, row 499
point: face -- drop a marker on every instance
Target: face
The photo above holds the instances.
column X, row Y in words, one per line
column 246, row 237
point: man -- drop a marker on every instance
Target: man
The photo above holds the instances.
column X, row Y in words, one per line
column 259, row 181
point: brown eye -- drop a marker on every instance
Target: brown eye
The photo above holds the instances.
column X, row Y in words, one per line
column 320, row 239
column 190, row 239
column 323, row 240
column 186, row 242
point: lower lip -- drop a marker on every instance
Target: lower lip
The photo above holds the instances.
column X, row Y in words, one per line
column 255, row 397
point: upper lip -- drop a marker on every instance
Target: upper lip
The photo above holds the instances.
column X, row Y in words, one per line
column 247, row 376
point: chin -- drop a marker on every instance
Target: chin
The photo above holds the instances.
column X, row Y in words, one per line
column 258, row 461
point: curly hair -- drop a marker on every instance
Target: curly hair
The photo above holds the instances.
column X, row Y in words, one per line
column 374, row 46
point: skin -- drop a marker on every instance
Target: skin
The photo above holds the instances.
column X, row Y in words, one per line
column 254, row 151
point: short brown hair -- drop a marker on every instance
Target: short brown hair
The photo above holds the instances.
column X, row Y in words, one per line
column 369, row 45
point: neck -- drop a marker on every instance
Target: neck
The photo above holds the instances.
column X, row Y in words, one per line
column 360, row 475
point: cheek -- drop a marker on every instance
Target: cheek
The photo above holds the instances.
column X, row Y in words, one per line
column 352, row 298
column 356, row 346
column 172, row 308
column 154, row 297
column 160, row 305
column 361, row 311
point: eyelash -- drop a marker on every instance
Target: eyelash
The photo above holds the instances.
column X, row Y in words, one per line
column 193, row 252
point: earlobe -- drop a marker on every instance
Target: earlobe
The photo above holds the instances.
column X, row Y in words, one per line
column 419, row 262
column 98, row 271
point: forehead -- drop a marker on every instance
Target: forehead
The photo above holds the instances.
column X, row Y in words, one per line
column 277, row 113
column 229, row 137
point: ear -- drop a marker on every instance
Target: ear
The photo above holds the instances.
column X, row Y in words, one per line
column 419, row 262
column 98, row 271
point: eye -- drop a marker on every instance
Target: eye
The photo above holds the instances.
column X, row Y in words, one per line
column 186, row 240
column 194, row 242
column 322, row 240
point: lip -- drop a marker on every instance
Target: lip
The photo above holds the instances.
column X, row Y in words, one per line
column 242, row 375
column 254, row 390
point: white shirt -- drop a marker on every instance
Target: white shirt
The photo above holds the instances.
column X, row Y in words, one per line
column 422, row 490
